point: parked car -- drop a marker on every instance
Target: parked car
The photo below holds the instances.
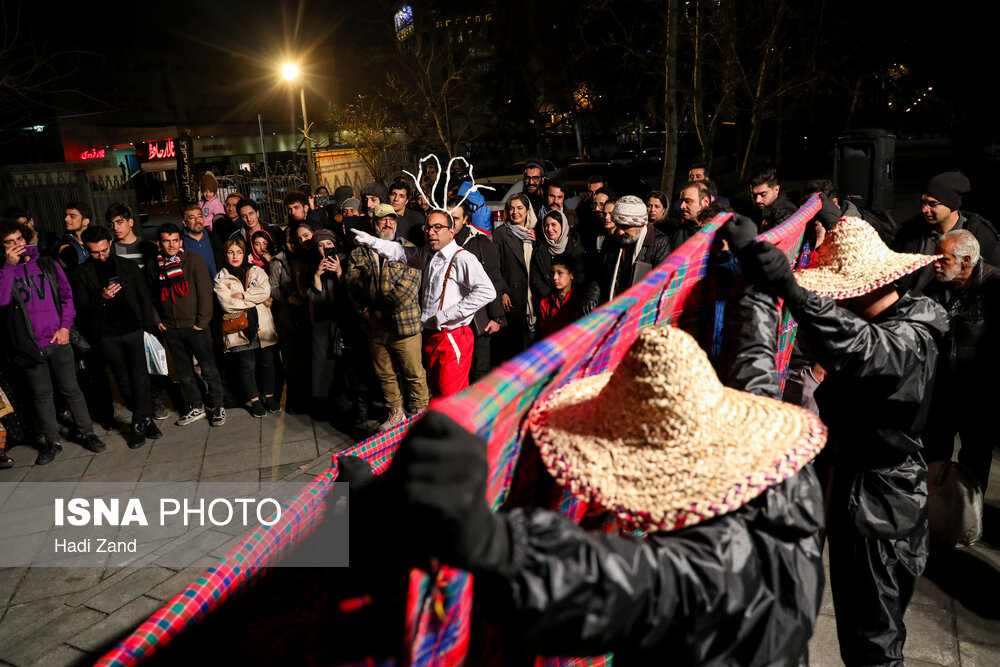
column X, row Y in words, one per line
column 625, row 158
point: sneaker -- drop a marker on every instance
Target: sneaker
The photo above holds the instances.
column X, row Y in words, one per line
column 159, row 412
column 47, row 452
column 5, row 461
column 151, row 429
column 271, row 405
column 191, row 415
column 93, row 443
column 257, row 409
column 396, row 417
column 218, row 416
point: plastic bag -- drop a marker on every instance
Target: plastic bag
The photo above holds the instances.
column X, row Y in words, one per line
column 954, row 503
column 156, row 356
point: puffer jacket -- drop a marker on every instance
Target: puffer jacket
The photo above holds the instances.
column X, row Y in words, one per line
column 256, row 292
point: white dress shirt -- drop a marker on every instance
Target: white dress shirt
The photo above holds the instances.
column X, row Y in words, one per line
column 468, row 288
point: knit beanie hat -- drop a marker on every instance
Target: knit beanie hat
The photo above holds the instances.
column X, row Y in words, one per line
column 323, row 235
column 948, row 188
column 208, row 182
column 630, row 211
column 342, row 194
column 352, row 202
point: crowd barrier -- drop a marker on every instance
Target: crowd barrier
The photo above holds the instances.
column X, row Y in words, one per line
column 679, row 292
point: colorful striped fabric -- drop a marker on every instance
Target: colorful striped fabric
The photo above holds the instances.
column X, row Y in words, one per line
column 676, row 292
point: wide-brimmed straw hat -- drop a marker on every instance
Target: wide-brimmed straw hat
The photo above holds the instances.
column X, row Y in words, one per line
column 662, row 444
column 853, row 261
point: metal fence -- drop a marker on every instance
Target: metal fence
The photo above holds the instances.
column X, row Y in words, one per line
column 44, row 194
column 267, row 191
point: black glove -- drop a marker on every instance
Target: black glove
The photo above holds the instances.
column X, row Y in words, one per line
column 767, row 267
column 438, row 478
column 587, row 306
column 829, row 214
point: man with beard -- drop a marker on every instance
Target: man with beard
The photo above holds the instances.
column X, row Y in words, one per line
column 635, row 249
column 969, row 289
column 694, row 197
column 534, row 184
column 386, row 292
column 771, row 204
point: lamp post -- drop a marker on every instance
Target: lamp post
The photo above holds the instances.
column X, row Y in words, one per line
column 290, row 71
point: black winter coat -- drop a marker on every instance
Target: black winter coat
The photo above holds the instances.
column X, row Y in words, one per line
column 916, row 235
column 655, row 248
column 513, row 272
column 483, row 248
column 969, row 353
column 541, row 267
column 90, row 305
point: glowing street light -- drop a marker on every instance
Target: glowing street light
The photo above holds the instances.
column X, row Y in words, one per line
column 290, row 71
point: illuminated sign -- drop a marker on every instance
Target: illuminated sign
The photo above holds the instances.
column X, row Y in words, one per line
column 161, row 149
column 92, row 154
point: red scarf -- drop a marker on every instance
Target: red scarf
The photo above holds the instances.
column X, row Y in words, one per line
column 173, row 284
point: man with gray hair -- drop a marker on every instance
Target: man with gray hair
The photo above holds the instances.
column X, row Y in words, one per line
column 969, row 289
column 634, row 249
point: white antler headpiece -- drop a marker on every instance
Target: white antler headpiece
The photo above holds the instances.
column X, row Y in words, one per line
column 437, row 179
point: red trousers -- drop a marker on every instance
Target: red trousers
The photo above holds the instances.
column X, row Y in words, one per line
column 447, row 358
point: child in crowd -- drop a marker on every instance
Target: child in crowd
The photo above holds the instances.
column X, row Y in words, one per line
column 210, row 204
column 562, row 306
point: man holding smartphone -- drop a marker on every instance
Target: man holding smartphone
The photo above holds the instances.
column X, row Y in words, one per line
column 113, row 309
column 39, row 316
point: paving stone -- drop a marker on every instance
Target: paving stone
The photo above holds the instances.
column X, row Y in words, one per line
column 10, row 577
column 61, row 469
column 66, row 656
column 242, row 476
column 979, row 655
column 180, row 580
column 231, row 461
column 28, row 646
column 288, row 452
column 111, row 629
column 129, row 588
column 164, row 451
column 18, row 617
column 185, row 470
column 928, row 592
column 113, row 475
column 128, row 458
column 287, row 428
column 194, row 550
column 974, row 628
column 930, row 635
column 40, row 583
column 824, row 650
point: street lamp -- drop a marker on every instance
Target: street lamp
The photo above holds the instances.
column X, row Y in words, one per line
column 290, row 71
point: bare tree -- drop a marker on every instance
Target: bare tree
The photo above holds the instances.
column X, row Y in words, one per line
column 370, row 127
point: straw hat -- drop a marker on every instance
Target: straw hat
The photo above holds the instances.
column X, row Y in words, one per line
column 853, row 261
column 662, row 444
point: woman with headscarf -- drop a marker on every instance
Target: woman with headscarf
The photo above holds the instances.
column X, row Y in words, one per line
column 557, row 239
column 262, row 249
column 244, row 292
column 516, row 241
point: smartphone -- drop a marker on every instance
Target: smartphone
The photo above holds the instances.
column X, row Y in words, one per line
column 30, row 252
column 114, row 280
column 325, row 200
column 330, row 253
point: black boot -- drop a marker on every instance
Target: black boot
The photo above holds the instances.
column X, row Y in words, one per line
column 151, row 429
column 137, row 434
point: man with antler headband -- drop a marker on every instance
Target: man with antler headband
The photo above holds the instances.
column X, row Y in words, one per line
column 455, row 286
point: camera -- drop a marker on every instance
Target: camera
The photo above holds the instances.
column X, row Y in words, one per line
column 325, row 200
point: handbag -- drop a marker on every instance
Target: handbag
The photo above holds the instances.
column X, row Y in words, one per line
column 235, row 322
column 954, row 503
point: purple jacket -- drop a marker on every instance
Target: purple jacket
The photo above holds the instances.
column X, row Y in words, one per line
column 29, row 282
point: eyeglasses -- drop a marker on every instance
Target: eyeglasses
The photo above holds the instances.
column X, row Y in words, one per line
column 929, row 204
column 533, row 179
column 436, row 228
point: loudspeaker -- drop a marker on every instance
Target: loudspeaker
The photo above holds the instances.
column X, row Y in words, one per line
column 863, row 167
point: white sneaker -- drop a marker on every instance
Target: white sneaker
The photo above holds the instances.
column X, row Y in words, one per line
column 218, row 416
column 396, row 417
column 191, row 415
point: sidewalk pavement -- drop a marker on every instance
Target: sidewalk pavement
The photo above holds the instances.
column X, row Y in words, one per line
column 72, row 616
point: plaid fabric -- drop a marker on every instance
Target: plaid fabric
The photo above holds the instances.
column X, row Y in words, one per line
column 395, row 291
column 495, row 408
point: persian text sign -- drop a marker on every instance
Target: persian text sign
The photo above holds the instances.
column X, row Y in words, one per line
column 160, row 149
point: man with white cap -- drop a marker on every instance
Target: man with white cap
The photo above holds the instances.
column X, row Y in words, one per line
column 455, row 286
column 879, row 350
column 635, row 249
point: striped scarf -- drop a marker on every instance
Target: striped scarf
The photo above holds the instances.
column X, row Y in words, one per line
column 173, row 284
